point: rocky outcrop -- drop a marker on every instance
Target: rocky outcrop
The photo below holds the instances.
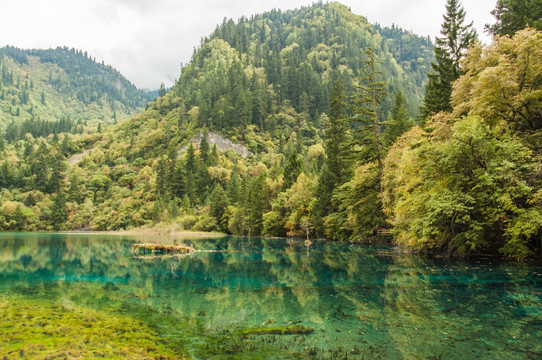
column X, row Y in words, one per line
column 221, row 143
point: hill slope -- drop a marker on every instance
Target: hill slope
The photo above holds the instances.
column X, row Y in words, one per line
column 263, row 83
column 245, row 72
column 62, row 83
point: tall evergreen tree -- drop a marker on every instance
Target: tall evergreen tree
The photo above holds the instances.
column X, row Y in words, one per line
column 291, row 171
column 333, row 173
column 449, row 50
column 59, row 212
column 366, row 100
column 515, row 15
column 161, row 177
column 204, row 148
column 178, row 180
column 219, row 207
column 74, row 191
column 399, row 120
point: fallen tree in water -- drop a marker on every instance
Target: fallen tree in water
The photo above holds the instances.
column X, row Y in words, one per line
column 163, row 248
column 285, row 330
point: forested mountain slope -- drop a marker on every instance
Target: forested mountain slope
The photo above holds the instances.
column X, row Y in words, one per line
column 247, row 72
column 46, row 91
column 265, row 83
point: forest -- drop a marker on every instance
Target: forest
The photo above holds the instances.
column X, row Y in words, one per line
column 349, row 128
column 61, row 85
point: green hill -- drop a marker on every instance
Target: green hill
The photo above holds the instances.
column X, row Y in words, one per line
column 247, row 72
column 48, row 86
column 264, row 83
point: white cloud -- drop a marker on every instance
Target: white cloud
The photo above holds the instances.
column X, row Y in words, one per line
column 147, row 40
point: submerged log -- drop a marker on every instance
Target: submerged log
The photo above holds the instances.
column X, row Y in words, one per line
column 162, row 248
column 286, row 330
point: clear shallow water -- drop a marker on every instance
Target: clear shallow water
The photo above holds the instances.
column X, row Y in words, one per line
column 362, row 301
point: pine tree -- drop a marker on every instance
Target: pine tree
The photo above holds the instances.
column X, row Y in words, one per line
column 161, row 178
column 190, row 168
column 56, row 178
column 336, row 134
column 515, row 15
column 39, row 169
column 162, row 90
column 334, row 170
column 257, row 204
column 190, row 161
column 291, row 171
column 178, row 180
column 74, row 191
column 59, row 212
column 449, row 50
column 399, row 121
column 366, row 100
column 219, row 207
column 204, row 148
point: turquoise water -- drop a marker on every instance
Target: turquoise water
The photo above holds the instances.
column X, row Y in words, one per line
column 363, row 301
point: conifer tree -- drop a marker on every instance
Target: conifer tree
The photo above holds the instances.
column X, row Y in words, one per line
column 161, row 178
column 59, row 212
column 333, row 173
column 449, row 50
column 178, row 180
column 291, row 171
column 74, row 191
column 204, row 148
column 162, row 90
column 190, row 167
column 366, row 100
column 399, row 120
column 56, row 178
column 219, row 206
column 515, row 15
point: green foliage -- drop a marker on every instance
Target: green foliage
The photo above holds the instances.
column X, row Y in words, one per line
column 219, row 207
column 515, row 15
column 42, row 91
column 59, row 212
column 464, row 193
column 335, row 170
column 248, row 72
column 291, row 163
column 502, row 84
column 367, row 123
column 359, row 207
column 398, row 122
column 449, row 50
column 291, row 171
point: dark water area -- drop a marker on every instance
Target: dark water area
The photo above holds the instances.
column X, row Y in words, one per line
column 363, row 301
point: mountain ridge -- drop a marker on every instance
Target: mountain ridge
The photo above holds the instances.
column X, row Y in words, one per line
column 53, row 84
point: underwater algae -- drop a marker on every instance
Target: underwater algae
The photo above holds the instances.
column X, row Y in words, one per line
column 34, row 329
column 88, row 296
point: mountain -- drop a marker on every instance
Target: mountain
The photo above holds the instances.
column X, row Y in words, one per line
column 262, row 83
column 249, row 71
column 51, row 85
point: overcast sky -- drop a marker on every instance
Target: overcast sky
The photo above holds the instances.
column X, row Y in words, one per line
column 147, row 40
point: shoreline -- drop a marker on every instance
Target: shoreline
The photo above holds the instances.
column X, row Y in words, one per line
column 148, row 232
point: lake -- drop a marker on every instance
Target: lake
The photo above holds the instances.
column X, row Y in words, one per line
column 86, row 295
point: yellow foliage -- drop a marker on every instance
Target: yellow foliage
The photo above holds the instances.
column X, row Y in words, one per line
column 502, row 82
column 219, row 173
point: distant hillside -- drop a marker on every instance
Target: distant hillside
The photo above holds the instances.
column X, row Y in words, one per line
column 264, row 85
column 247, row 72
column 63, row 84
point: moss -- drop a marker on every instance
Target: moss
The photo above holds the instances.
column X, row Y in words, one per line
column 37, row 330
column 285, row 330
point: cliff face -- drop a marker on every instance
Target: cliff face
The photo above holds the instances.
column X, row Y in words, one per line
column 221, row 143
